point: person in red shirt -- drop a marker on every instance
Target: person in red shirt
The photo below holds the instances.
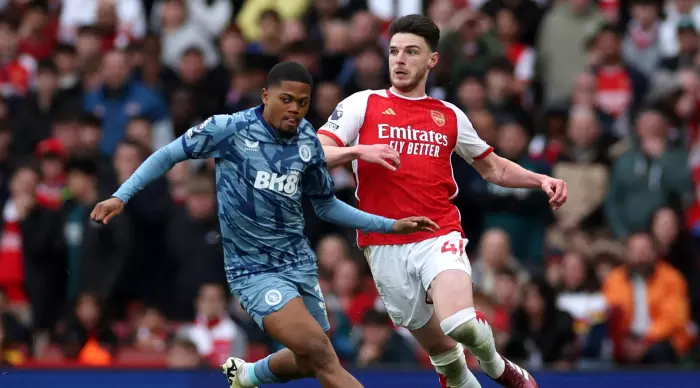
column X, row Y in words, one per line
column 401, row 142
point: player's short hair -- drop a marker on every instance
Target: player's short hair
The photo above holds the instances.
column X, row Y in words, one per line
column 418, row 25
column 288, row 71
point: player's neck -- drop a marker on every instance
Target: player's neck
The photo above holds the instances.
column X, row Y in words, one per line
column 417, row 92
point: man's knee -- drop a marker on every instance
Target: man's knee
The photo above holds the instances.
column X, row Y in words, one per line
column 467, row 326
column 314, row 354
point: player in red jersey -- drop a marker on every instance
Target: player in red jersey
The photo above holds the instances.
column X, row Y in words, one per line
column 400, row 142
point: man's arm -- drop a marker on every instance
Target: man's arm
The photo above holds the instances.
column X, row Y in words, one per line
column 377, row 153
column 153, row 168
column 199, row 142
column 501, row 171
column 338, row 212
column 498, row 170
column 343, row 128
column 335, row 211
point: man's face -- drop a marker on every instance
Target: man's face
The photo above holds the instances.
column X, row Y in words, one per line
column 512, row 141
column 410, row 58
column 287, row 103
column 609, row 45
column 192, row 68
column 211, row 301
column 641, row 254
column 46, row 82
column 78, row 183
column 328, row 95
column 645, row 14
column 115, row 70
column 126, row 159
column 201, row 205
column 8, row 40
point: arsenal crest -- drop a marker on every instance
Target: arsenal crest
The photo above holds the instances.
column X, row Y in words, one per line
column 438, row 117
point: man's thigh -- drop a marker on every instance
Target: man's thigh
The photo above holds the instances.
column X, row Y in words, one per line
column 310, row 290
column 399, row 285
column 263, row 294
column 446, row 273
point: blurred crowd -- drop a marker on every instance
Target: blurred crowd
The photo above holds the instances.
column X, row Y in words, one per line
column 605, row 95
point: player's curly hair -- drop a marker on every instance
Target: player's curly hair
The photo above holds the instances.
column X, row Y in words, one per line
column 418, row 25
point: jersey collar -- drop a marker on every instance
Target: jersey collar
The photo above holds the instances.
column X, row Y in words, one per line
column 396, row 94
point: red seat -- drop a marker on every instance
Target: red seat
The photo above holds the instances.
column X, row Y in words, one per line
column 133, row 357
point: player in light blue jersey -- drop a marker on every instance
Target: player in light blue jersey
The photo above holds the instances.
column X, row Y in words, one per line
column 266, row 158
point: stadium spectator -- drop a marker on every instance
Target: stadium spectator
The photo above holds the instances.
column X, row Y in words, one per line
column 494, row 255
column 194, row 249
column 581, row 297
column 120, row 98
column 564, row 30
column 151, row 333
column 541, row 333
column 646, row 178
column 97, row 255
column 523, row 214
column 214, row 333
column 651, row 308
column 85, row 335
column 182, row 354
column 381, row 344
column 641, row 46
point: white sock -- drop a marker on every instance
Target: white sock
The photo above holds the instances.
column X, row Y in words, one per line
column 453, row 366
column 469, row 327
column 245, row 375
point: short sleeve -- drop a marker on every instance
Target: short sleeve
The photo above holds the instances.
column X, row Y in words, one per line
column 345, row 122
column 317, row 181
column 203, row 141
column 470, row 146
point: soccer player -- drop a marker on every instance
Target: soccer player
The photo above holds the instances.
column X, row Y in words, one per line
column 266, row 158
column 401, row 142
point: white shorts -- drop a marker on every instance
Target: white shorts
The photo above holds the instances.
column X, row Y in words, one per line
column 403, row 274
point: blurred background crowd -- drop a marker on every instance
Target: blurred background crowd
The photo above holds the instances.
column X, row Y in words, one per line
column 605, row 95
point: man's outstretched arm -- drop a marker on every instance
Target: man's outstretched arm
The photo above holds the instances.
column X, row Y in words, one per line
column 159, row 163
column 501, row 171
column 337, row 155
column 151, row 169
column 337, row 212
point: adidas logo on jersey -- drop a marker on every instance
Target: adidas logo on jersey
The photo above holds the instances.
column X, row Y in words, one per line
column 389, row 112
column 283, row 184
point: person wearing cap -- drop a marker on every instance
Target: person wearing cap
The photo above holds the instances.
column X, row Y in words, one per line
column 50, row 191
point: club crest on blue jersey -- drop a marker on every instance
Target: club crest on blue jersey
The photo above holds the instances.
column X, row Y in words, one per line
column 305, row 152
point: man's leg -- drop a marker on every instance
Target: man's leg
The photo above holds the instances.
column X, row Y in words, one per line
column 309, row 352
column 446, row 355
column 394, row 270
column 460, row 320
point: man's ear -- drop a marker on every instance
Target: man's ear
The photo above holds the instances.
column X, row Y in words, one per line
column 264, row 95
column 434, row 57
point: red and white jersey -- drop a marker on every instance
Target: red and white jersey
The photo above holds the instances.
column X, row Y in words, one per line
column 425, row 132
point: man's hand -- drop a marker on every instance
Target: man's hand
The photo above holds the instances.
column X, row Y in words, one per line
column 380, row 154
column 414, row 224
column 106, row 210
column 556, row 190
